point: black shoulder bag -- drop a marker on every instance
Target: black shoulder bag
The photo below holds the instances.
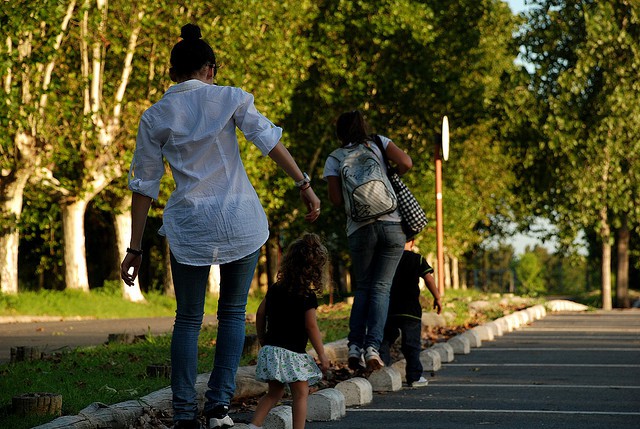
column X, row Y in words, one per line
column 413, row 217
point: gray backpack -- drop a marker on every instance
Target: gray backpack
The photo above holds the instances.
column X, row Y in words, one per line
column 366, row 188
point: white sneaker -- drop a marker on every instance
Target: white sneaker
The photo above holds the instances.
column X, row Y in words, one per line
column 372, row 357
column 419, row 383
column 219, row 418
column 356, row 360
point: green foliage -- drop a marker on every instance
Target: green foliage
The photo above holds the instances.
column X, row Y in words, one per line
column 521, row 145
column 529, row 270
column 586, row 59
column 406, row 64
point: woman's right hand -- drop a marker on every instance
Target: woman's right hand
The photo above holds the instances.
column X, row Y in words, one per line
column 312, row 202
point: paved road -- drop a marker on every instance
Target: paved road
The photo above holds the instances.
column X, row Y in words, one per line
column 567, row 370
column 52, row 336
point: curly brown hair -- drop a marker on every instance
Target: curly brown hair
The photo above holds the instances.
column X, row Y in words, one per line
column 302, row 268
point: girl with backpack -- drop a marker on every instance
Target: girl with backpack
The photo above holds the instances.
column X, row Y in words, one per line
column 357, row 178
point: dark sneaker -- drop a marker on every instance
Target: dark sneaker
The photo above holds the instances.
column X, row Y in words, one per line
column 218, row 417
column 187, row 424
column 356, row 360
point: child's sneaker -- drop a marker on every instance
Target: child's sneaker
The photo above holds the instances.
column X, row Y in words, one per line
column 356, row 360
column 419, row 383
column 218, row 417
column 372, row 357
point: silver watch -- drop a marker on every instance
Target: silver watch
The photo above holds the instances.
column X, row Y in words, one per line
column 305, row 179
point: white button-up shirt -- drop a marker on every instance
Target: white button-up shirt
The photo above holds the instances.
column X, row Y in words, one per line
column 214, row 215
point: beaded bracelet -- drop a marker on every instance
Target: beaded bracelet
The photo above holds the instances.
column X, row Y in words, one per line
column 137, row 252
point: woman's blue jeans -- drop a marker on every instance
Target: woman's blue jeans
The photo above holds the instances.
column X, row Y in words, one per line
column 375, row 251
column 190, row 284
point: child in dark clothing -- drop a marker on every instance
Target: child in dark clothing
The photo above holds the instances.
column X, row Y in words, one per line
column 405, row 312
column 285, row 321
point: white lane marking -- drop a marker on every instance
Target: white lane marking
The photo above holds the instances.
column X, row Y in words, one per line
column 434, row 383
column 528, row 336
column 448, row 410
column 553, row 349
column 615, row 329
column 546, row 365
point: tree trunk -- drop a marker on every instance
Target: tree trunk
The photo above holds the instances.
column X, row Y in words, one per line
column 10, row 235
column 12, row 186
column 455, row 272
column 169, row 290
column 340, row 277
column 263, row 277
column 75, row 261
column 122, row 220
column 605, row 236
column 273, row 257
column 214, row 280
column 37, row 404
column 622, row 277
column 447, row 272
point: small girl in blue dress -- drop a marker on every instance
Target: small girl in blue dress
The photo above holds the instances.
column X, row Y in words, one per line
column 285, row 322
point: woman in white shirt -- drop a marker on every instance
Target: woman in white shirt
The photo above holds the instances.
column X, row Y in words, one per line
column 213, row 216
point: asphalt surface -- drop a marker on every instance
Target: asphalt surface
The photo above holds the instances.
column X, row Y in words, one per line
column 52, row 336
column 567, row 370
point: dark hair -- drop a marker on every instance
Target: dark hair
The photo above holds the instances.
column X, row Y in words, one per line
column 302, row 268
column 351, row 127
column 191, row 53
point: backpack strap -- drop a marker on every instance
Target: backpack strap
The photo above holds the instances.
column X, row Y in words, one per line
column 378, row 141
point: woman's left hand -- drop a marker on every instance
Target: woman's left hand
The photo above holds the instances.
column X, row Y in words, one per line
column 312, row 202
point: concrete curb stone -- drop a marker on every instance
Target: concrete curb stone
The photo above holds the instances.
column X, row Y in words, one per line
column 495, row 328
column 280, row 417
column 357, row 391
column 473, row 337
column 386, row 379
column 430, row 360
column 485, row 333
column 444, row 350
column 460, row 345
column 326, row 405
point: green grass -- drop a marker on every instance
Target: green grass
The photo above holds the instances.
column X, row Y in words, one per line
column 115, row 373
column 98, row 303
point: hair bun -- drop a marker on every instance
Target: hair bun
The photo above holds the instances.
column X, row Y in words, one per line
column 190, row 32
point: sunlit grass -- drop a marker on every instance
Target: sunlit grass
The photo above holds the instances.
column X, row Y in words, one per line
column 98, row 304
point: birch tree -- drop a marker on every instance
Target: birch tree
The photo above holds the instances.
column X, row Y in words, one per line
column 33, row 34
column 92, row 157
